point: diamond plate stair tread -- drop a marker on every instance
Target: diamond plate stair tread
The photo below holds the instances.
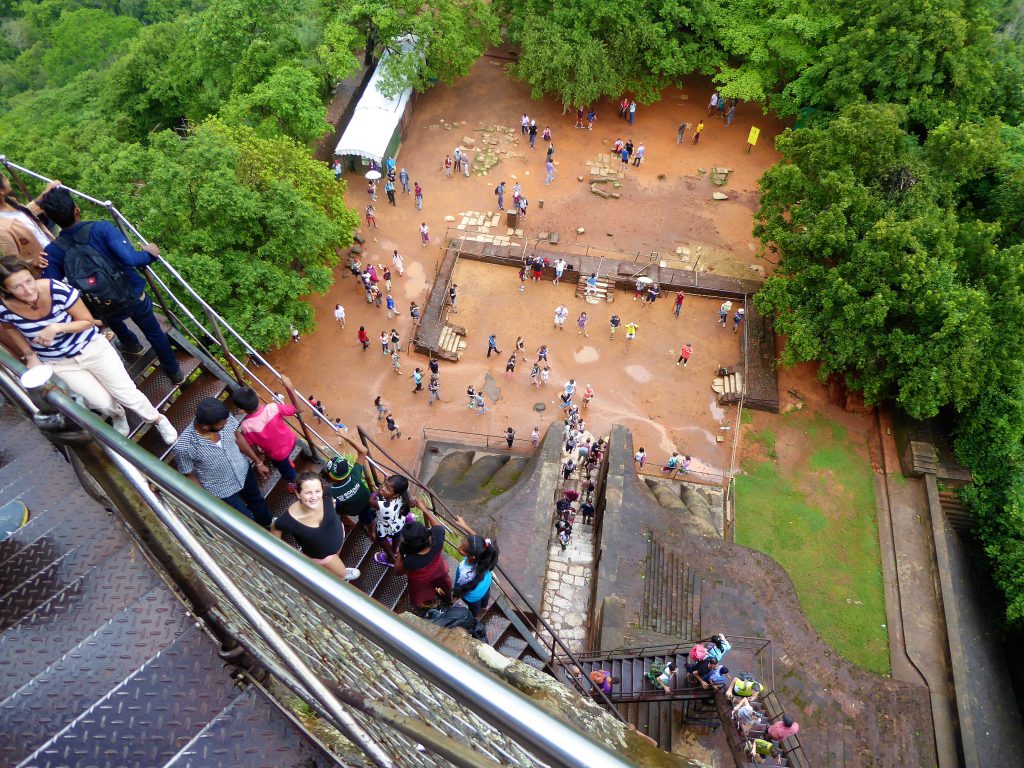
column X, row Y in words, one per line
column 148, row 718
column 64, row 518
column 58, row 625
column 158, row 387
column 33, row 589
column 57, row 507
column 250, row 733
column 182, row 411
column 77, row 679
column 25, row 464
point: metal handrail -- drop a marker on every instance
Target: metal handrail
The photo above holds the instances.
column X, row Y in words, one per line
column 429, row 433
column 719, row 480
column 502, row 706
column 730, row 511
column 738, row 642
column 532, row 616
column 213, row 316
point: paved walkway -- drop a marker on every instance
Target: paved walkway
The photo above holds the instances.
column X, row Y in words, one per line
column 913, row 597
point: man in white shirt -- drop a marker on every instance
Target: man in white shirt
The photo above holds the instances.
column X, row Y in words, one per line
column 560, row 266
column 561, row 313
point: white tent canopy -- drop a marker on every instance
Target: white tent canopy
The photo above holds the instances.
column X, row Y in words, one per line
column 375, row 119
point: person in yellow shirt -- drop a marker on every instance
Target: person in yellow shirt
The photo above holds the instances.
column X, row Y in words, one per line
column 697, row 131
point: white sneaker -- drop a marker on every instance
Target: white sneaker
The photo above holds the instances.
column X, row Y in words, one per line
column 120, row 423
column 166, row 430
column 351, row 574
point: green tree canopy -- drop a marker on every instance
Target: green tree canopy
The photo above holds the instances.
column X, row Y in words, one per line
column 426, row 42
column 878, row 277
column 252, row 223
column 584, row 50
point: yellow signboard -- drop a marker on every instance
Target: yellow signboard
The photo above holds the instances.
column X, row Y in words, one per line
column 754, row 133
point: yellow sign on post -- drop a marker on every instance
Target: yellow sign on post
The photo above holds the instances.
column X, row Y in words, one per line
column 752, row 138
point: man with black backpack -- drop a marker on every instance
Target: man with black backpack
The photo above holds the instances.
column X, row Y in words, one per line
column 97, row 259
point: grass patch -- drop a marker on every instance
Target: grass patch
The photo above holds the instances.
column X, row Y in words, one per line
column 765, row 438
column 816, row 516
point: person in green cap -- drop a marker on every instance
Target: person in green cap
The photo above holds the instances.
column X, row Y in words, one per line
column 350, row 486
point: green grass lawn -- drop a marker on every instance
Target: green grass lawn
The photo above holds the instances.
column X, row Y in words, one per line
column 813, row 510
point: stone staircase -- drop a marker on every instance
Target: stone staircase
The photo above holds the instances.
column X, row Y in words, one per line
column 452, row 342
column 597, row 295
column 672, row 595
column 728, row 385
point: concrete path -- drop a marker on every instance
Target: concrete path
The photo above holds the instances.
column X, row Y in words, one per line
column 912, row 590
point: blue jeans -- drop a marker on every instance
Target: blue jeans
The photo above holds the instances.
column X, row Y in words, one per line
column 249, row 500
column 631, row 116
column 678, row 308
column 479, row 606
column 533, row 139
column 284, row 466
column 142, row 315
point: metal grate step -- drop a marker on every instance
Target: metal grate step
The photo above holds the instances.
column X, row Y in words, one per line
column 57, row 695
column 250, row 733
column 150, row 716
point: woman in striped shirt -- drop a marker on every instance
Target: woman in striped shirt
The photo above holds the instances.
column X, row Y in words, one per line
column 47, row 323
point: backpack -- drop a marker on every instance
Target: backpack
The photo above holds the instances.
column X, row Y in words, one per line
column 655, row 671
column 497, row 190
column 101, row 281
column 458, row 616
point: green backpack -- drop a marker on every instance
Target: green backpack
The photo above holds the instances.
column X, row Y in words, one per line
column 655, row 671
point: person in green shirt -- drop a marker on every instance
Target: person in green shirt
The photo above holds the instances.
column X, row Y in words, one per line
column 760, row 750
column 350, row 486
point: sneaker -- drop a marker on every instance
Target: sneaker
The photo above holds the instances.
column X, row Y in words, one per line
column 138, row 349
column 351, row 574
column 381, row 558
column 167, row 431
column 120, row 423
column 177, row 377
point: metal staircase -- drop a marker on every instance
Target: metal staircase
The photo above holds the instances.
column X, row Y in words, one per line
column 101, row 663
column 663, row 715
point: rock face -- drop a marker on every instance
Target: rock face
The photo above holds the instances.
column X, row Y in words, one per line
column 696, row 515
column 565, row 703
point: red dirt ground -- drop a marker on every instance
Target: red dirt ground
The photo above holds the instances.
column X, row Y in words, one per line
column 652, row 215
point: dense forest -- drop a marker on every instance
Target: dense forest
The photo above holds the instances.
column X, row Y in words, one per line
column 896, row 216
column 196, row 117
